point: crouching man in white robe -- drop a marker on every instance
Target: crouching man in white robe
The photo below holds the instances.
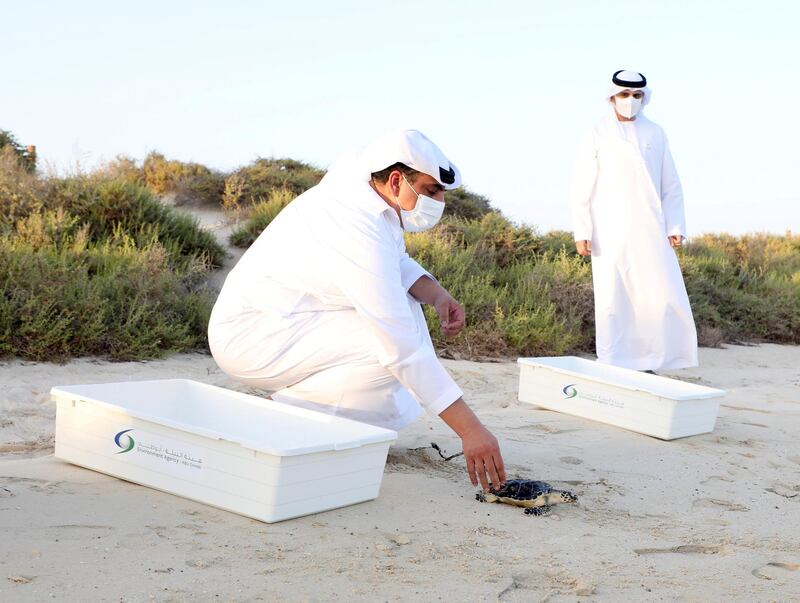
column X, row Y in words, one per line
column 627, row 208
column 324, row 308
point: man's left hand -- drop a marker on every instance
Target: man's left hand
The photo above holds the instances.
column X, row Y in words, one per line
column 675, row 240
column 451, row 314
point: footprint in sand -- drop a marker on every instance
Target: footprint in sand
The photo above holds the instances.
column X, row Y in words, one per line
column 720, row 478
column 785, row 491
column 571, row 460
column 768, row 571
column 543, row 428
column 524, row 587
column 715, row 503
column 685, row 549
column 766, row 412
column 42, row 443
column 10, row 484
column 725, row 440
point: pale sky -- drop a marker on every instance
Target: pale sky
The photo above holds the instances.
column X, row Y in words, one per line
column 504, row 88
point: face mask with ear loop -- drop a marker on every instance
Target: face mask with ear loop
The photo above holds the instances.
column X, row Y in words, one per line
column 426, row 213
column 628, row 107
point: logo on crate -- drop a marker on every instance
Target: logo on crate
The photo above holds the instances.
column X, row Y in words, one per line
column 129, row 441
column 570, row 391
column 159, row 450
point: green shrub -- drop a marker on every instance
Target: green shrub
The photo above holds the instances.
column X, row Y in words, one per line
column 121, row 168
column 62, row 296
column 762, row 252
column 25, row 157
column 108, row 203
column 558, row 241
column 105, row 201
column 253, row 183
column 186, row 181
column 259, row 217
column 21, row 192
column 520, row 298
column 744, row 288
column 462, row 203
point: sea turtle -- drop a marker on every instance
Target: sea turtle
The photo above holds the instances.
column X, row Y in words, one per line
column 536, row 497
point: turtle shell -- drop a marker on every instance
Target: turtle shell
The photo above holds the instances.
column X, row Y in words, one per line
column 522, row 489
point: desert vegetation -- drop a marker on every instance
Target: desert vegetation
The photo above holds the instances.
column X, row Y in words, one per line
column 102, row 264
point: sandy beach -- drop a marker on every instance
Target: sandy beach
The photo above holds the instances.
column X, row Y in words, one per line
column 561, row 199
column 705, row 518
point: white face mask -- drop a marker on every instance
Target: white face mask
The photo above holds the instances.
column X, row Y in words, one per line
column 628, row 107
column 426, row 213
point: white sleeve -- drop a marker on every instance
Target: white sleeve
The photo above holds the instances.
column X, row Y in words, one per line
column 368, row 269
column 583, row 180
column 411, row 271
column 671, row 195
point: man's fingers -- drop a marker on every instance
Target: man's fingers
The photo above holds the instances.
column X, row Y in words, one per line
column 477, row 472
column 454, row 321
column 480, row 451
column 455, row 314
column 471, row 471
column 491, row 471
column 450, row 328
column 501, row 470
column 481, row 471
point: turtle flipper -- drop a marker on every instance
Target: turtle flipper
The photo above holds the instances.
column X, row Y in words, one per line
column 538, row 511
column 482, row 496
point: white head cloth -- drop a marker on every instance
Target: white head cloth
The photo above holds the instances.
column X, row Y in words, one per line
column 634, row 78
column 414, row 149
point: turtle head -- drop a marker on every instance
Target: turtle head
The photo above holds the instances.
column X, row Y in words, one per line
column 568, row 497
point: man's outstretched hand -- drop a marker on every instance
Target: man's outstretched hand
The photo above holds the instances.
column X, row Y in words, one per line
column 481, row 450
column 484, row 462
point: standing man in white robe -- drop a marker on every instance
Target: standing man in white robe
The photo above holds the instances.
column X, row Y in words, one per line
column 324, row 309
column 627, row 209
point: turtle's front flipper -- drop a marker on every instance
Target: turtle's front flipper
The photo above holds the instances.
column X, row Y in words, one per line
column 538, row 511
column 485, row 497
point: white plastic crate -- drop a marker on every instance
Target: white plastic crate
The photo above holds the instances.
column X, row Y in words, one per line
column 649, row 404
column 253, row 456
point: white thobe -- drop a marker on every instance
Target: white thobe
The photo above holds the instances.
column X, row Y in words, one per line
column 626, row 199
column 318, row 309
